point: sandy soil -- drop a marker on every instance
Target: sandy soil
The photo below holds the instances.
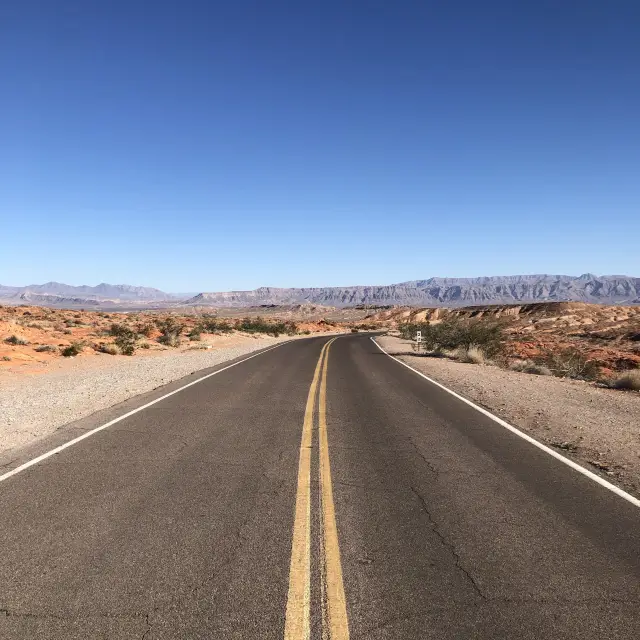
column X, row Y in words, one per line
column 596, row 426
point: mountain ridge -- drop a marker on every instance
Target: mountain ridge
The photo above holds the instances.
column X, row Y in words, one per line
column 434, row 292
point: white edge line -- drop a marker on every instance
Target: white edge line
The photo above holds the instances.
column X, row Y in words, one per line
column 66, row 445
column 574, row 465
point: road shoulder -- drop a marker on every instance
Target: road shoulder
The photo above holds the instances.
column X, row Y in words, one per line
column 599, row 428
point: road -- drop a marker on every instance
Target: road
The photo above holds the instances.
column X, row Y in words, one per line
column 314, row 490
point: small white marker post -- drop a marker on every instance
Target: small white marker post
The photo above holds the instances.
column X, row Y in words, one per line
column 418, row 336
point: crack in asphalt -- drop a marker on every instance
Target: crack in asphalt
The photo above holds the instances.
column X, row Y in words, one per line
column 428, row 462
column 445, row 543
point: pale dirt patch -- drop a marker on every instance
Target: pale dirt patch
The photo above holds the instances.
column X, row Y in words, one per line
column 598, row 427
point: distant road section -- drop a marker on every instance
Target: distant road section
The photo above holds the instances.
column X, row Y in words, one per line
column 314, row 491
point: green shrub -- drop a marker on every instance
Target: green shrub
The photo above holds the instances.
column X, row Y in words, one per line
column 454, row 334
column 72, row 350
column 125, row 339
column 195, row 333
column 211, row 324
column 258, row 325
column 16, row 340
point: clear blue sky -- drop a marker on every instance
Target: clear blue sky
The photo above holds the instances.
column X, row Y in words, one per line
column 204, row 145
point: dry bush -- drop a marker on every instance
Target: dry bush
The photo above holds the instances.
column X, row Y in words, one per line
column 471, row 355
column 528, row 366
column 110, row 348
column 45, row 347
column 570, row 363
column 72, row 350
column 16, row 340
column 629, row 380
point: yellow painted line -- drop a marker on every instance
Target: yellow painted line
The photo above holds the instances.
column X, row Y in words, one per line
column 297, row 625
column 335, row 622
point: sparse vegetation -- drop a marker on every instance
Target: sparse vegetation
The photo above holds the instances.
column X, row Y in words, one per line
column 145, row 329
column 569, row 363
column 472, row 354
column 211, row 324
column 195, row 334
column 74, row 349
column 125, row 339
column 529, row 366
column 16, row 340
column 258, row 325
column 111, row 348
column 170, row 330
column 45, row 347
column 629, row 381
column 458, row 334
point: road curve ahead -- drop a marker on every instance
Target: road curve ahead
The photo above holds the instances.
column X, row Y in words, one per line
column 318, row 490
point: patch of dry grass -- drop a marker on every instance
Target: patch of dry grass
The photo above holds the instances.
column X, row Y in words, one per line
column 629, row 381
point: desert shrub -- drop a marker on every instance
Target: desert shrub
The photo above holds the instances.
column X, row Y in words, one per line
column 125, row 339
column 170, row 330
column 34, row 325
column 6, row 358
column 306, row 332
column 569, row 363
column 45, row 347
column 455, row 334
column 72, row 350
column 195, row 333
column 472, row 354
column 145, row 345
column 145, row 329
column 16, row 340
column 258, row 325
column 629, row 380
column 110, row 348
column 528, row 366
column 211, row 324
column 354, row 330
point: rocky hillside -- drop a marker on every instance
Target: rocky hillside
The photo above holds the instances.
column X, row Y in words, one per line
column 444, row 292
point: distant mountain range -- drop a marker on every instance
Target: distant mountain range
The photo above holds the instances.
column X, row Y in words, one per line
column 438, row 292
column 434, row 292
column 59, row 294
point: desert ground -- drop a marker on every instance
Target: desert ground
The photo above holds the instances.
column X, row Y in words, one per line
column 57, row 366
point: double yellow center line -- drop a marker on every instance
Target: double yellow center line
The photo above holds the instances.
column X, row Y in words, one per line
column 334, row 609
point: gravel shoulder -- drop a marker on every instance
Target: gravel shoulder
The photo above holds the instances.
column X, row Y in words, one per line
column 597, row 427
column 34, row 406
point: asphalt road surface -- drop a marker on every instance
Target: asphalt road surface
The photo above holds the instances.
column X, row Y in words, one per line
column 313, row 491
